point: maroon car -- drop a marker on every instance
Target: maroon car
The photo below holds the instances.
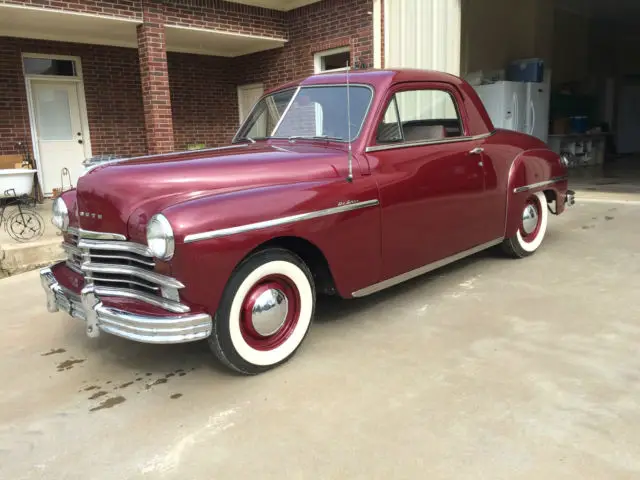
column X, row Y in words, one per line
column 341, row 184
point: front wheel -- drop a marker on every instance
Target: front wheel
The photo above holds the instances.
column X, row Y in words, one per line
column 532, row 229
column 265, row 312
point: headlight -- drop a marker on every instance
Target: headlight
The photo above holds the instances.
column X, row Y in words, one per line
column 60, row 214
column 160, row 237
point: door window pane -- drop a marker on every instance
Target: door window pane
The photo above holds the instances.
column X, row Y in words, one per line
column 53, row 114
column 428, row 115
column 49, row 66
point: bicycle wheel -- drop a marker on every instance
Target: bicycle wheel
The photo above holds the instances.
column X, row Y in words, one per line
column 24, row 225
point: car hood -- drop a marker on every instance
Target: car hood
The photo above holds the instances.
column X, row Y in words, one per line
column 121, row 197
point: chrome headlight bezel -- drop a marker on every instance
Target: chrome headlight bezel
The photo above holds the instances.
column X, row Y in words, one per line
column 60, row 214
column 160, row 238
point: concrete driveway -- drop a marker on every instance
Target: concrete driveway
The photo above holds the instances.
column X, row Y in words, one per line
column 492, row 368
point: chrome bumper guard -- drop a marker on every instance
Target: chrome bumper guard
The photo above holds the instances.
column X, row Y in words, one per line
column 87, row 306
column 570, row 198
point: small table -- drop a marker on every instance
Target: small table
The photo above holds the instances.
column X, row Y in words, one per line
column 581, row 148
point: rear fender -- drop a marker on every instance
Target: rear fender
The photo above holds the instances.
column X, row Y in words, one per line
column 539, row 170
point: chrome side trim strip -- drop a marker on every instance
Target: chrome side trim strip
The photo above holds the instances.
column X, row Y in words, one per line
column 133, row 271
column 378, row 148
column 425, row 269
column 95, row 235
column 195, row 237
column 135, row 295
column 533, row 186
column 117, row 247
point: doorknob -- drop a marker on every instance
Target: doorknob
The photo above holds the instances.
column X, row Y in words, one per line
column 79, row 141
column 476, row 151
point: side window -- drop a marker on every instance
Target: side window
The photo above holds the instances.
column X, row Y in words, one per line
column 421, row 115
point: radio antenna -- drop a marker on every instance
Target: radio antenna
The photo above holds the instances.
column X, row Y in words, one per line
column 349, row 153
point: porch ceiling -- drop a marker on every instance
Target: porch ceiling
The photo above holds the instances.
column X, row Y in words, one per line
column 211, row 42
column 45, row 24
column 283, row 5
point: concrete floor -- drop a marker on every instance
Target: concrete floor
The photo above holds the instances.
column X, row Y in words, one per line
column 491, row 368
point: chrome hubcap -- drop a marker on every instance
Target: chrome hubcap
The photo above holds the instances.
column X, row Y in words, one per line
column 529, row 219
column 269, row 312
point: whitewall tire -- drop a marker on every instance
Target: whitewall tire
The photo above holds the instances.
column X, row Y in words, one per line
column 265, row 312
column 532, row 229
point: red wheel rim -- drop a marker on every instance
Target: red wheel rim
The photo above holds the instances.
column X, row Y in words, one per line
column 248, row 329
column 531, row 236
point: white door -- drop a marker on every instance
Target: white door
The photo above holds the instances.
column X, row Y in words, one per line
column 248, row 96
column 58, row 131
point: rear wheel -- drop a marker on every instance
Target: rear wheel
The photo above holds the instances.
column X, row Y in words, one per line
column 532, row 229
column 265, row 312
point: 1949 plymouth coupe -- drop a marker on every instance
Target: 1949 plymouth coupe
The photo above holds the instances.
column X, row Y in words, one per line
column 342, row 183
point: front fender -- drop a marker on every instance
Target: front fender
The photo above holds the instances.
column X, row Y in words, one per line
column 539, row 170
column 215, row 233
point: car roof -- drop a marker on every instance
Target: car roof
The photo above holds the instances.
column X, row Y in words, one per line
column 374, row 77
column 478, row 121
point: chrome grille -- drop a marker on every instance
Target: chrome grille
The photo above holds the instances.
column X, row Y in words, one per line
column 120, row 268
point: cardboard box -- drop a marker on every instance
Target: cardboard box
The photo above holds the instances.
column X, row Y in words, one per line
column 10, row 161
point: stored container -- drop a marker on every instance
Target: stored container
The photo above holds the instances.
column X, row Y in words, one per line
column 526, row 70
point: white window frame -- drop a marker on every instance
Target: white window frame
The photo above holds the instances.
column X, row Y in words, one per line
column 82, row 104
column 317, row 59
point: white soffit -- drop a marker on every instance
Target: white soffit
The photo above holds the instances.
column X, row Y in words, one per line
column 213, row 42
column 282, row 5
column 42, row 24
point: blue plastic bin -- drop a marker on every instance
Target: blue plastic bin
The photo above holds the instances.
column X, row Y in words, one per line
column 527, row 70
column 579, row 124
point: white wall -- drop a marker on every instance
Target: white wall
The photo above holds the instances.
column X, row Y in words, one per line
column 423, row 34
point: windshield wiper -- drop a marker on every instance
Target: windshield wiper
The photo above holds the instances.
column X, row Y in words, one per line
column 313, row 137
column 250, row 139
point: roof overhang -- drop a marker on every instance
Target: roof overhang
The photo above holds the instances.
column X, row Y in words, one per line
column 44, row 24
column 282, row 5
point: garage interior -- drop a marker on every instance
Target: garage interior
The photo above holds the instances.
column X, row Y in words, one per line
column 586, row 54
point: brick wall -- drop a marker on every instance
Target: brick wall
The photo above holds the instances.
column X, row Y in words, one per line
column 154, row 76
column 317, row 27
column 226, row 16
column 203, row 89
column 112, row 91
column 109, row 8
column 203, row 99
column 214, row 14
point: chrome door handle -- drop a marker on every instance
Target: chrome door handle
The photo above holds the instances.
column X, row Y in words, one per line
column 476, row 151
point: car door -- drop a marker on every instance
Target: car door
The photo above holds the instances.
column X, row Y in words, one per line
column 430, row 178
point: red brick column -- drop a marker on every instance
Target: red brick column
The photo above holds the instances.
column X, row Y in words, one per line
column 154, row 76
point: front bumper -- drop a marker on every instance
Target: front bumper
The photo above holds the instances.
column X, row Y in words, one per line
column 140, row 328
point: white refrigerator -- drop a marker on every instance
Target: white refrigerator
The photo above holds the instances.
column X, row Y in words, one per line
column 519, row 106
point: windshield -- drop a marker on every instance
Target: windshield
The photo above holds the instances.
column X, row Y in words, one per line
column 312, row 112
